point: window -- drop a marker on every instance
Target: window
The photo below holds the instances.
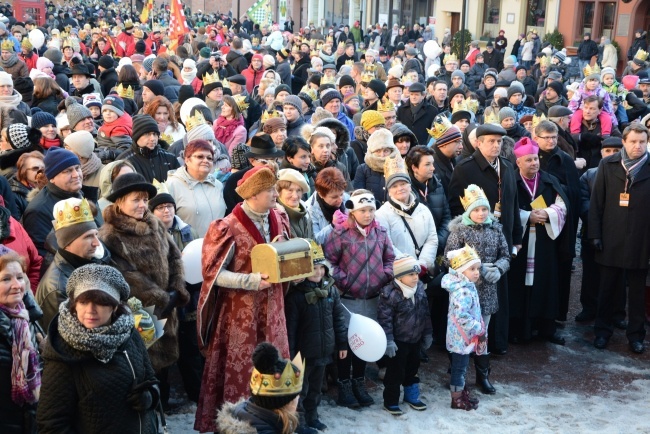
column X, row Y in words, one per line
column 587, row 17
column 337, row 13
column 491, row 18
column 536, row 15
column 608, row 14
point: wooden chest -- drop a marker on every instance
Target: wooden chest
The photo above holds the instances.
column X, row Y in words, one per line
column 283, row 261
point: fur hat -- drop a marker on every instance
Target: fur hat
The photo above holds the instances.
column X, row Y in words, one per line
column 95, row 277
column 294, row 176
column 81, row 143
column 371, row 118
column 255, row 181
column 405, row 264
column 57, row 160
column 21, row 136
column 319, row 114
column 75, row 112
column 380, row 139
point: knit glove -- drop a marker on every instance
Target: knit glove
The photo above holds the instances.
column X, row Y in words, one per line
column 391, row 349
column 490, row 273
column 427, row 341
column 143, row 396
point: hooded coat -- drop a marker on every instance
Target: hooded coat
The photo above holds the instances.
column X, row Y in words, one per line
column 237, row 61
column 152, row 164
column 344, row 153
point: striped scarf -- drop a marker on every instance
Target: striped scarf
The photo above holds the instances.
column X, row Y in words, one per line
column 632, row 166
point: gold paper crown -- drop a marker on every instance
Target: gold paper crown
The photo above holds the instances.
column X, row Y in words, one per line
column 160, row 187
column 538, row 119
column 641, row 54
column 395, row 62
column 342, row 44
column 255, row 41
column 440, row 126
column 492, row 118
column 312, row 94
column 472, row 105
column 295, row 49
column 319, row 44
column 386, row 106
column 95, row 30
column 395, row 166
column 241, row 102
column 467, row 255
column 266, row 115
column 125, row 92
column 461, row 106
column 545, row 61
column 314, row 53
column 72, row 215
column 7, row 45
column 326, row 79
column 289, row 383
column 472, row 194
column 317, row 253
column 103, row 25
column 67, row 28
column 138, row 34
column 211, row 78
column 297, row 39
column 167, row 138
column 195, row 120
column 329, row 39
column 349, row 62
column 588, row 70
column 450, row 58
column 128, row 23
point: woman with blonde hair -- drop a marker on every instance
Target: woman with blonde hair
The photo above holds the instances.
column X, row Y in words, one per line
column 163, row 112
column 229, row 128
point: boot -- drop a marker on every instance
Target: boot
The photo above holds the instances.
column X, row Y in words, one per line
column 346, row 397
column 482, row 365
column 469, row 395
column 412, row 397
column 459, row 402
column 360, row 392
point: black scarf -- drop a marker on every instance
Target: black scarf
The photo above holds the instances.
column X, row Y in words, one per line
column 328, row 210
column 410, row 209
column 74, row 260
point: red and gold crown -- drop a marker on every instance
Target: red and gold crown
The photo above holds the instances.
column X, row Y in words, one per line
column 290, row 382
column 472, row 194
column 72, row 215
column 465, row 255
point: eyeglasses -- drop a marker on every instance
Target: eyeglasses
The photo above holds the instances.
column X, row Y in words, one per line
column 203, row 157
column 164, row 207
column 548, row 138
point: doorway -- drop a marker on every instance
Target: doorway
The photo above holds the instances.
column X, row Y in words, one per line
column 455, row 23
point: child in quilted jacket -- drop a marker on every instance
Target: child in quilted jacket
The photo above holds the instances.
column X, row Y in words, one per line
column 361, row 255
column 466, row 331
column 403, row 313
column 114, row 137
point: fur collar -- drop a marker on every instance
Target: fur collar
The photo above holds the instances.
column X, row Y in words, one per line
column 228, row 422
column 123, row 223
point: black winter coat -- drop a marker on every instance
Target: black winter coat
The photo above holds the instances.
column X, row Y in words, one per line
column 587, row 181
column 436, row 201
column 315, row 330
column 48, row 104
column 20, row 194
column 151, row 164
column 587, row 49
column 444, row 168
column 237, row 61
column 371, row 180
column 419, row 123
column 15, row 419
column 172, row 86
column 107, row 80
column 494, row 59
column 84, row 395
column 402, row 319
column 62, row 74
column 639, row 43
column 476, row 170
column 624, row 230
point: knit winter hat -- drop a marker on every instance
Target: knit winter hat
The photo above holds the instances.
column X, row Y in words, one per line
column 474, row 197
column 256, row 180
column 294, row 101
column 372, row 118
column 505, row 113
column 81, row 143
column 380, row 139
column 41, row 119
column 44, row 62
column 510, row 61
column 378, row 87
column 74, row 228
column 458, row 73
column 347, row 80
column 328, row 95
column 490, row 73
column 21, row 136
column 115, row 104
column 143, row 124
column 203, row 132
column 106, row 62
column 269, row 367
column 452, row 133
column 238, row 158
column 57, row 160
column 274, row 124
column 205, row 52
column 185, row 92
column 268, row 61
column 95, row 277
column 405, row 264
column 513, row 90
column 605, row 71
column 557, row 87
column 292, row 175
column 92, row 100
column 155, row 86
column 147, row 64
column 75, row 112
column 54, row 55
column 282, row 87
column 6, row 79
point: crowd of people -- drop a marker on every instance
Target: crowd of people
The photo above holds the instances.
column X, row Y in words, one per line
column 442, row 197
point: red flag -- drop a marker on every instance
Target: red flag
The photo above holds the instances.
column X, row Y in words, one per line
column 177, row 24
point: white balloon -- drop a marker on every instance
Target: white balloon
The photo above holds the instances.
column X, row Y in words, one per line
column 366, row 338
column 432, row 70
column 192, row 262
column 432, row 49
column 37, row 38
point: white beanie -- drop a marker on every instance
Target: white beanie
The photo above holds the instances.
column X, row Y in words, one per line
column 123, row 61
column 81, row 143
column 380, row 139
column 5, row 79
column 396, row 71
column 316, row 61
column 268, row 61
column 188, row 105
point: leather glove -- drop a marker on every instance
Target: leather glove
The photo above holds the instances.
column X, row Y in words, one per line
column 171, row 304
column 597, row 244
column 427, row 341
column 491, row 273
column 143, row 396
column 391, row 349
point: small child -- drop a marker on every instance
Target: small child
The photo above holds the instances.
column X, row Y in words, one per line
column 93, row 102
column 403, row 313
column 316, row 329
column 361, row 254
column 478, row 228
column 466, row 332
column 591, row 86
column 114, row 137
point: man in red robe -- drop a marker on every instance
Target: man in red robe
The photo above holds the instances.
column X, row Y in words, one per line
column 238, row 309
column 126, row 41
